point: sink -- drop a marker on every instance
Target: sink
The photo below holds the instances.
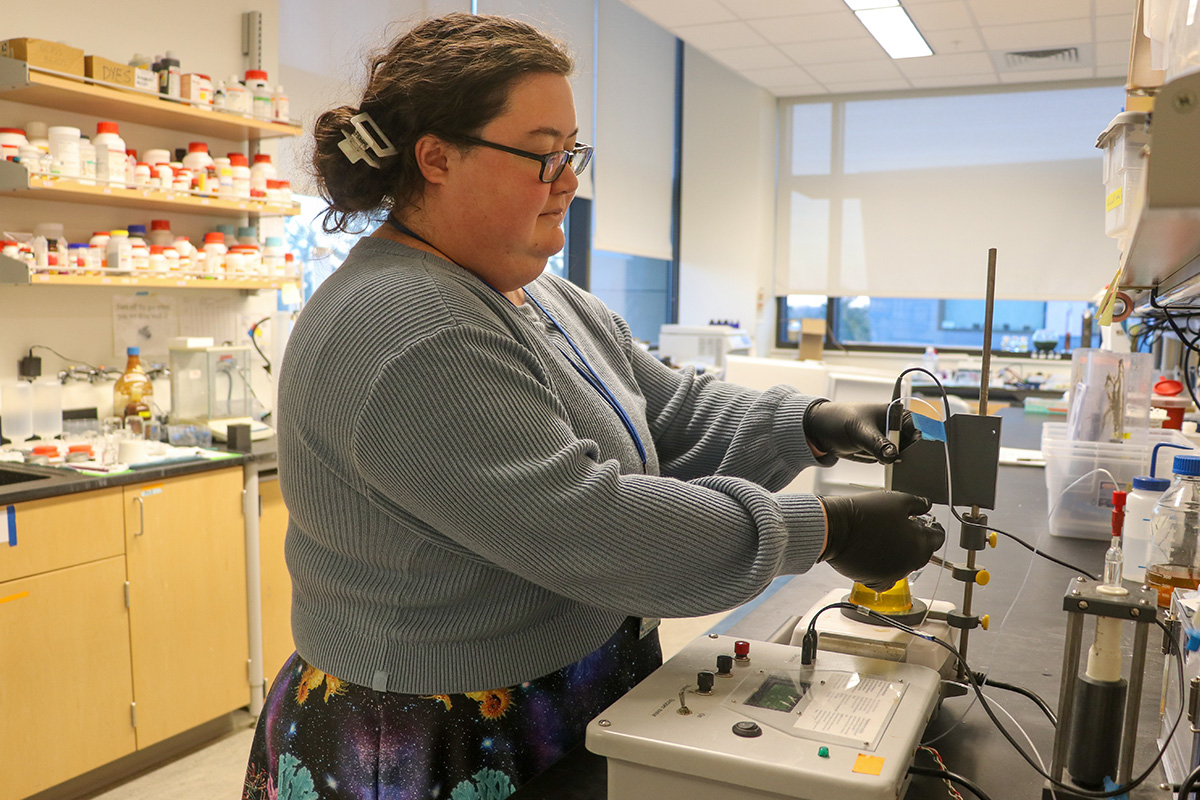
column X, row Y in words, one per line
column 16, row 477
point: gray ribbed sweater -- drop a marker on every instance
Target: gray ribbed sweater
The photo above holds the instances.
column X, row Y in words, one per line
column 467, row 513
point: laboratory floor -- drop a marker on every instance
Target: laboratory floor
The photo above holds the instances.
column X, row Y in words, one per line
column 215, row 772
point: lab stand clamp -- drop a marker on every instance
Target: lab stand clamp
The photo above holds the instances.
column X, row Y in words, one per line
column 1098, row 711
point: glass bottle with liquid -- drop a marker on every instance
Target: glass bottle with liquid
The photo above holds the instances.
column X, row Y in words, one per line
column 1174, row 560
column 133, row 392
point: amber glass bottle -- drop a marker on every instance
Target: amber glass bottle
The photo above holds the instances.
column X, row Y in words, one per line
column 133, row 391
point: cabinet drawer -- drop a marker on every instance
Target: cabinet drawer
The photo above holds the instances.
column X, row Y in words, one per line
column 67, row 687
column 44, row 535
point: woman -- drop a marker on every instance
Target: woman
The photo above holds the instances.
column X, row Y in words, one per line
column 489, row 485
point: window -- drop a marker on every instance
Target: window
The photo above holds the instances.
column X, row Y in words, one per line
column 915, row 323
column 317, row 252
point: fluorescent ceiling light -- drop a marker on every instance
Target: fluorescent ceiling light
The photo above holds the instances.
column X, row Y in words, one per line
column 864, row 5
column 893, row 29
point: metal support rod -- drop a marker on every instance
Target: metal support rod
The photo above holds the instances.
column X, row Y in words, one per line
column 984, row 381
column 1133, row 702
column 985, row 376
column 1066, row 692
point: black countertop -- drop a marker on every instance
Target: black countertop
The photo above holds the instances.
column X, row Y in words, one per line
column 58, row 481
column 1027, row 651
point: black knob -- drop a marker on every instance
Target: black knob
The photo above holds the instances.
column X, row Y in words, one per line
column 704, row 682
column 747, row 729
column 724, row 666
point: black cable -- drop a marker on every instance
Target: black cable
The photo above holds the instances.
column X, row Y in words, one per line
column 254, row 341
column 1190, row 784
column 1040, row 553
column 983, row 701
column 953, row 777
column 1021, row 690
column 69, row 360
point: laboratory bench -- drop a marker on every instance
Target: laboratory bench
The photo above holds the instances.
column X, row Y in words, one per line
column 138, row 611
column 1026, row 649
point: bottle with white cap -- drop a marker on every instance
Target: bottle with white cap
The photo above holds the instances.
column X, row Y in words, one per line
column 1139, row 507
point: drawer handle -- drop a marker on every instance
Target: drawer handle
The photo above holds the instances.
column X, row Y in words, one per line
column 141, row 516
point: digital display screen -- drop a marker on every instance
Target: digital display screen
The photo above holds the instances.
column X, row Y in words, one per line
column 777, row 694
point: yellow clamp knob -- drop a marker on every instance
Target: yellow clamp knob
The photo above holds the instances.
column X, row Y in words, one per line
column 982, row 577
column 984, row 620
column 991, row 538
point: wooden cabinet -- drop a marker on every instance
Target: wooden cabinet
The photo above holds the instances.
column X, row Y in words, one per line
column 65, row 675
column 276, row 583
column 187, row 601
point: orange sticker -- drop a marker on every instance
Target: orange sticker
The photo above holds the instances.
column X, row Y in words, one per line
column 868, row 765
column 16, row 596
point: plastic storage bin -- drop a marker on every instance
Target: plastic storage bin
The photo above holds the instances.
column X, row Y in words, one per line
column 1122, row 143
column 1079, row 503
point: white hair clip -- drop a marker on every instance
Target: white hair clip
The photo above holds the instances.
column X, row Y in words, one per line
column 360, row 140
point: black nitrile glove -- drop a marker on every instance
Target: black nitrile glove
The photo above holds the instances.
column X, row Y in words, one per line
column 857, row 431
column 873, row 538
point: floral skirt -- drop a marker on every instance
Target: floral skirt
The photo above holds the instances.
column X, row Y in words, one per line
column 320, row 738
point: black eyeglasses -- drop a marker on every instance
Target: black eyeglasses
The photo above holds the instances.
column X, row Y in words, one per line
column 553, row 164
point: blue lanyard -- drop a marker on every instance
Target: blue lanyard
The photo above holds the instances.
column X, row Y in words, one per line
column 585, row 371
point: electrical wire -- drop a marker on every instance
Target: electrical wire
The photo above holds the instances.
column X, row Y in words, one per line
column 101, row 370
column 809, row 648
column 984, row 680
column 947, row 775
column 941, row 765
column 1190, row 784
column 254, row 341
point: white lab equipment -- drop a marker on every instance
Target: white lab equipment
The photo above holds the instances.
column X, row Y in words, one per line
column 712, row 725
column 211, row 384
column 702, row 345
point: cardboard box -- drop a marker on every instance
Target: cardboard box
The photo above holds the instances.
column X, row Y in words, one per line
column 197, row 88
column 48, row 55
column 812, row 339
column 102, row 69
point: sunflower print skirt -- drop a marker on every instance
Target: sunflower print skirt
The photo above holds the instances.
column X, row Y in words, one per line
column 320, row 738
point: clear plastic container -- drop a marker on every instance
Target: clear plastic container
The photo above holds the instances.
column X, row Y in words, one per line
column 1182, row 46
column 1123, row 142
column 1174, row 561
column 1110, row 396
column 1078, row 495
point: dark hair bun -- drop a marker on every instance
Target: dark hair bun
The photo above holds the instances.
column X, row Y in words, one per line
column 350, row 189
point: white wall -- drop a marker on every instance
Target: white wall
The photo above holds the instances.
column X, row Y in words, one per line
column 727, row 225
column 77, row 321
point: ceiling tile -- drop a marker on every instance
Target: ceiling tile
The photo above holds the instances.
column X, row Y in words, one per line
column 867, row 86
column 1038, row 35
column 1113, row 71
column 854, row 71
column 1118, row 28
column 1110, row 54
column 956, row 64
column 740, row 58
column 863, row 48
column 1105, row 7
column 670, row 13
column 941, row 16
column 959, row 40
column 778, row 76
column 1012, row 12
column 720, row 35
column 950, row 81
column 758, row 9
column 1037, row 76
column 810, row 27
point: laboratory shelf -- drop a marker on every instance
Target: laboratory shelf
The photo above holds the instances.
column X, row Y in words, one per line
column 16, row 181
column 1164, row 250
column 14, row 272
column 21, row 83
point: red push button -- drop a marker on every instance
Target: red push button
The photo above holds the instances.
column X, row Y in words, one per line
column 741, row 650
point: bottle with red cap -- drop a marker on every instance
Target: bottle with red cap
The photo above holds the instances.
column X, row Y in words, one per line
column 240, row 168
column 197, row 159
column 214, row 253
column 262, row 97
column 111, row 157
column 160, row 233
column 262, row 171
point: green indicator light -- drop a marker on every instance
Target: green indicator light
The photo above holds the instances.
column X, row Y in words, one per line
column 823, row 752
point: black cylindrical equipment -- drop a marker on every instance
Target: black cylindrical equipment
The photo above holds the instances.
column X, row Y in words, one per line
column 1095, row 740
